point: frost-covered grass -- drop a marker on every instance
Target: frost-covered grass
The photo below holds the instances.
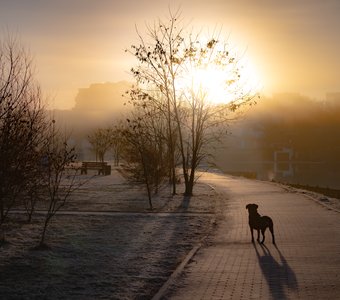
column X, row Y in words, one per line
column 125, row 255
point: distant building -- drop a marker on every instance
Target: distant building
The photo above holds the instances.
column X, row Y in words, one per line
column 98, row 106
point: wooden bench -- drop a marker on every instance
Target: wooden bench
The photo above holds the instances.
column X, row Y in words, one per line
column 102, row 167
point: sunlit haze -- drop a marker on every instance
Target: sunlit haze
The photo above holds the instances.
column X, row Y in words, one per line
column 290, row 46
column 216, row 85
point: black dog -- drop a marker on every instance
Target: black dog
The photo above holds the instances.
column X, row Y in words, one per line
column 259, row 223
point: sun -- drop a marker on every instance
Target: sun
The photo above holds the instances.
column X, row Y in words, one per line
column 221, row 84
column 210, row 83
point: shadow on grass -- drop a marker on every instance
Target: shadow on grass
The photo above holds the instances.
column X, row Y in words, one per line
column 184, row 207
column 121, row 257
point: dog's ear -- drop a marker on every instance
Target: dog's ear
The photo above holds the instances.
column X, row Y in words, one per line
column 247, row 206
column 256, row 206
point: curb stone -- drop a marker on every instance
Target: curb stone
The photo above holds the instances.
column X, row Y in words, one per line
column 305, row 193
column 161, row 292
column 176, row 273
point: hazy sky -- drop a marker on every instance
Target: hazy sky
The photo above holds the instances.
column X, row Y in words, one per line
column 293, row 45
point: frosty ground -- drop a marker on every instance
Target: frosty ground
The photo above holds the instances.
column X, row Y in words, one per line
column 106, row 243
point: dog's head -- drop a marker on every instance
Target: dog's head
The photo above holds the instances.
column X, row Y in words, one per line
column 252, row 208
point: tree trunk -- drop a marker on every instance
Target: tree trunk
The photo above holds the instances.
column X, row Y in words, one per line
column 149, row 194
column 173, row 179
column 189, row 185
column 2, row 215
column 146, row 180
column 42, row 239
column 172, row 158
column 29, row 220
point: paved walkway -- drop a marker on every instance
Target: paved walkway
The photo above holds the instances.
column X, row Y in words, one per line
column 304, row 265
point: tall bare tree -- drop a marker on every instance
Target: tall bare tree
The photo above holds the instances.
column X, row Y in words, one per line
column 60, row 177
column 158, row 71
column 167, row 56
column 145, row 149
column 22, row 123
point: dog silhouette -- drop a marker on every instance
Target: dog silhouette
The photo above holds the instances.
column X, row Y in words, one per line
column 259, row 223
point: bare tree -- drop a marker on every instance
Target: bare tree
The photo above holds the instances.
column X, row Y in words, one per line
column 157, row 71
column 145, row 149
column 117, row 142
column 33, row 156
column 22, row 124
column 167, row 61
column 60, row 176
column 101, row 140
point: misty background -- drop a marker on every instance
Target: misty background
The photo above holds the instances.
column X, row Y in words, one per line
column 292, row 46
column 287, row 137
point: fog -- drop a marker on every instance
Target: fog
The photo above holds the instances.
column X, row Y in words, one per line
column 288, row 138
column 99, row 105
column 96, row 104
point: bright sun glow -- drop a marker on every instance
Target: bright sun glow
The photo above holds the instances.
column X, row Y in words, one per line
column 220, row 85
column 210, row 82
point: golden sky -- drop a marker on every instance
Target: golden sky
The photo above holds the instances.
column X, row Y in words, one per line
column 293, row 45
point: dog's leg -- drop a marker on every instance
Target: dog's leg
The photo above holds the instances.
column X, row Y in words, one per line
column 252, row 234
column 263, row 236
column 271, row 228
column 258, row 235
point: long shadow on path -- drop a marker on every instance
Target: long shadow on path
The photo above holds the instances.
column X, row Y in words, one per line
column 277, row 272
